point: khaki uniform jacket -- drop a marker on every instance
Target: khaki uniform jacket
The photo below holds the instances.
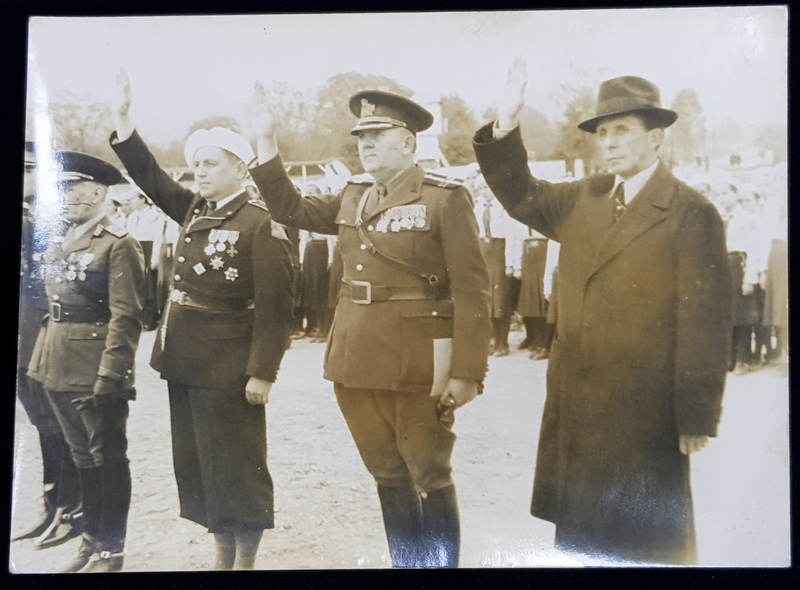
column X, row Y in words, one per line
column 233, row 260
column 101, row 272
column 640, row 351
column 389, row 344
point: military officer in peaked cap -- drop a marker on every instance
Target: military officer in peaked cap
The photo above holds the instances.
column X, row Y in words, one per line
column 414, row 279
column 61, row 490
column 84, row 356
column 637, row 367
column 223, row 333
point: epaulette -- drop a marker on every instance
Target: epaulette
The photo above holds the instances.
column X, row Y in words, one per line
column 442, row 181
column 259, row 203
column 361, row 179
column 279, row 231
column 114, row 230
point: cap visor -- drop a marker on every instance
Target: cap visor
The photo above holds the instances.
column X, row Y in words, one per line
column 366, row 126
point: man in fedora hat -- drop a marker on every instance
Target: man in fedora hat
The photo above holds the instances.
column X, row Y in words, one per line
column 223, row 332
column 84, row 355
column 637, row 367
column 413, row 275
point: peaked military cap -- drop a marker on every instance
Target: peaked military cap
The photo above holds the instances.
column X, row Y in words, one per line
column 377, row 109
column 629, row 95
column 77, row 166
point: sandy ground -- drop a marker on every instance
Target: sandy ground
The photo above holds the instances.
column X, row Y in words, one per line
column 327, row 512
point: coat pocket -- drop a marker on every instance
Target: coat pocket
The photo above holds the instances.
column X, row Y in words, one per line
column 84, row 349
column 421, row 323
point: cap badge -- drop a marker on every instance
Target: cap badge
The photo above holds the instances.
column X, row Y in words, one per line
column 367, row 108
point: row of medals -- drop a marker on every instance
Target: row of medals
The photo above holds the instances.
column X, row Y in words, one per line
column 402, row 217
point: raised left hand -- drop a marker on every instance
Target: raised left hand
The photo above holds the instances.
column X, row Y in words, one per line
column 257, row 391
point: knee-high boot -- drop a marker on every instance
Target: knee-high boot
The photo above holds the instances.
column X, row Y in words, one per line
column 91, row 495
column 402, row 520
column 116, row 501
column 442, row 527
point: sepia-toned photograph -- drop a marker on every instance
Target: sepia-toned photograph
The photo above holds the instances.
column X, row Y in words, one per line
column 420, row 290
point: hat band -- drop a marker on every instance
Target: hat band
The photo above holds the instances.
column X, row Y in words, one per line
column 384, row 120
column 621, row 104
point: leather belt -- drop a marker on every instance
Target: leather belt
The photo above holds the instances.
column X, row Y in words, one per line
column 208, row 303
column 78, row 314
column 364, row 293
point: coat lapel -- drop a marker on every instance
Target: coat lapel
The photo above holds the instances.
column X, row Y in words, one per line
column 204, row 222
column 648, row 208
column 408, row 191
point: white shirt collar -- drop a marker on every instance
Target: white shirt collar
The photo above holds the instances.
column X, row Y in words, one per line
column 635, row 183
column 222, row 202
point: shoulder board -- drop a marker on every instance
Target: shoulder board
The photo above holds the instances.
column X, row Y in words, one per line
column 442, row 181
column 259, row 203
column 279, row 231
column 114, row 230
column 361, row 179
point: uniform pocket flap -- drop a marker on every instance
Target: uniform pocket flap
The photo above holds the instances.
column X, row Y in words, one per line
column 428, row 308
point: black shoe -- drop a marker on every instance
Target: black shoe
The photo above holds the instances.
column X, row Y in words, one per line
column 38, row 529
column 104, row 562
column 524, row 344
column 87, row 549
column 63, row 528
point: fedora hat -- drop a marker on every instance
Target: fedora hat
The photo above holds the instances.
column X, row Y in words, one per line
column 629, row 95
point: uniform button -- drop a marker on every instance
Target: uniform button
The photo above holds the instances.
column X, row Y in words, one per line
column 94, row 334
column 370, row 228
column 434, row 313
column 181, row 259
column 196, row 211
column 363, row 246
column 177, row 277
column 229, row 213
column 188, row 240
column 56, row 297
column 359, row 267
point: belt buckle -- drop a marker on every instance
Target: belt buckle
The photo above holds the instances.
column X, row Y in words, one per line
column 178, row 297
column 55, row 311
column 367, row 287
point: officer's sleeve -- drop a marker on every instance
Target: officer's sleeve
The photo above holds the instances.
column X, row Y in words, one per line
column 704, row 320
column 168, row 195
column 125, row 300
column 273, row 293
column 287, row 206
column 504, row 163
column 468, row 276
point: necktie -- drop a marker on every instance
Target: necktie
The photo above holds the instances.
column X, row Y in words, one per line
column 619, row 201
column 381, row 193
column 487, row 219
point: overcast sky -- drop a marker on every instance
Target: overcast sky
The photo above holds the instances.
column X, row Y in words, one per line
column 185, row 68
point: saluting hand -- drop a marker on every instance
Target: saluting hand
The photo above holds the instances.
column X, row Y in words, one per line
column 513, row 97
column 264, row 125
column 121, row 105
column 257, row 391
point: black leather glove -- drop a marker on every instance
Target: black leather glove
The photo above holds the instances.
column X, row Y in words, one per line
column 104, row 388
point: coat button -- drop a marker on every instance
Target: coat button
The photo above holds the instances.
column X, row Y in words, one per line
column 177, row 277
column 370, row 227
column 434, row 313
column 56, row 297
column 181, row 259
column 359, row 267
column 94, row 334
column 188, row 240
column 363, row 246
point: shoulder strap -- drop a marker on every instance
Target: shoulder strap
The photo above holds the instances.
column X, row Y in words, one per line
column 431, row 279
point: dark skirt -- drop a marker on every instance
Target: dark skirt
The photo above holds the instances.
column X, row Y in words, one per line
column 745, row 307
column 776, row 305
column 219, row 452
column 315, row 275
column 532, row 303
column 494, row 251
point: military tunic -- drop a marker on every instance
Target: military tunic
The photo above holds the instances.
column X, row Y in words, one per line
column 228, row 318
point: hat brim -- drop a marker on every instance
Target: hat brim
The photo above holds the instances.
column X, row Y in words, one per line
column 661, row 118
column 368, row 126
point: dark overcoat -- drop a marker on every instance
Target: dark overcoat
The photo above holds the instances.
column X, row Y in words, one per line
column 389, row 344
column 100, row 275
column 639, row 355
column 234, row 260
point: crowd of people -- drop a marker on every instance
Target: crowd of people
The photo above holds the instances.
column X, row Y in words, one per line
column 643, row 292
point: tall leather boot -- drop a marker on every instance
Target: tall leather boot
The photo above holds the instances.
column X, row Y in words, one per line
column 402, row 520
column 67, row 521
column 442, row 528
column 115, row 476
column 91, row 491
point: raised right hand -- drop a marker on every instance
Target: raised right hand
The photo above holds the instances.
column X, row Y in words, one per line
column 513, row 97
column 263, row 119
column 121, row 98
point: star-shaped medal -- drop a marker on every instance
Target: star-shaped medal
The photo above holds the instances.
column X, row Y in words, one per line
column 231, row 274
column 209, row 249
column 217, row 263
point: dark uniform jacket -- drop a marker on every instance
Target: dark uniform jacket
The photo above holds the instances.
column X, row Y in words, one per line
column 388, row 344
column 229, row 315
column 95, row 288
column 640, row 350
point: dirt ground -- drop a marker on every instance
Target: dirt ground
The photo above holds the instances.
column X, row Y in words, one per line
column 327, row 512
